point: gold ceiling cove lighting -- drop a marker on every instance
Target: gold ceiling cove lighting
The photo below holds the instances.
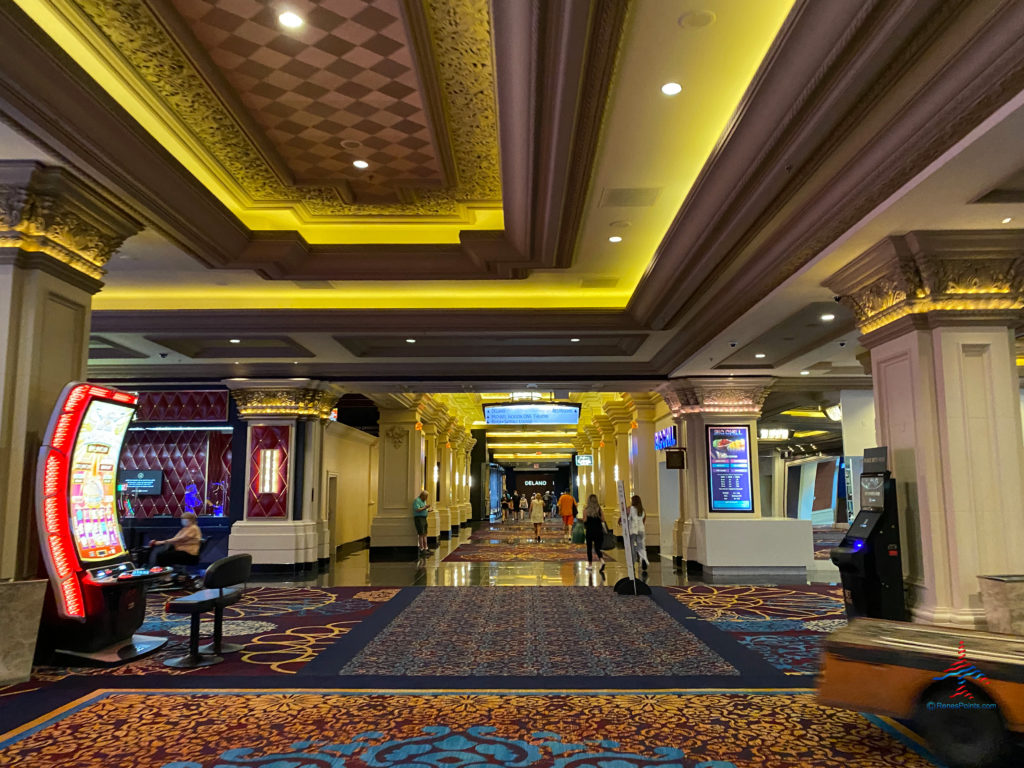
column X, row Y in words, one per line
column 118, row 44
column 529, row 456
column 810, row 433
column 805, row 413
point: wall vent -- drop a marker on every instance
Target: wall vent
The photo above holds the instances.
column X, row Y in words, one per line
column 629, row 197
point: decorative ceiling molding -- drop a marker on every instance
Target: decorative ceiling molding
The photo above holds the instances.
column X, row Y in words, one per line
column 969, row 274
column 282, row 399
column 847, row 110
column 462, row 52
column 715, row 395
column 46, row 210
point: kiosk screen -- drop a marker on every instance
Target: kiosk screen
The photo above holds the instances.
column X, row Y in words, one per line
column 93, row 479
column 864, row 524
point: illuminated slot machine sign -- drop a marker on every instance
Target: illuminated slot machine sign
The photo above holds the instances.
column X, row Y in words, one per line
column 77, row 486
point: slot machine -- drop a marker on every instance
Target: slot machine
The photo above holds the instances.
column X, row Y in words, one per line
column 868, row 557
column 97, row 598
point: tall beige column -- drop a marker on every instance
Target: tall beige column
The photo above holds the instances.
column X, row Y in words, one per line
column 56, row 235
column 430, row 482
column 645, row 463
column 281, row 527
column 582, row 446
column 596, row 478
column 467, row 473
column 400, row 473
column 609, row 495
column 444, row 483
column 938, row 312
column 622, row 424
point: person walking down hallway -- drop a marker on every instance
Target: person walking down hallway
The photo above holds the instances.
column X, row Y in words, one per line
column 593, row 523
column 524, row 504
column 566, row 510
column 537, row 514
column 515, row 506
column 420, row 508
column 637, row 530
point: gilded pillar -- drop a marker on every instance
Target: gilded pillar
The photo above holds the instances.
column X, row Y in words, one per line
column 430, row 479
column 644, row 462
column 56, row 236
column 400, row 474
column 938, row 311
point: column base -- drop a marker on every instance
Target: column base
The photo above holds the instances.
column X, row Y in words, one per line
column 444, row 535
column 286, row 543
column 398, row 531
column 454, row 531
column 730, row 574
column 963, row 618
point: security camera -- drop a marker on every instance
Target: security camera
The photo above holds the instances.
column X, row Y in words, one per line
column 733, row 344
column 842, row 343
column 837, row 299
column 163, row 354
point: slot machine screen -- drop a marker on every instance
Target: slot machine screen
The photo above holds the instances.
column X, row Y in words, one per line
column 92, row 485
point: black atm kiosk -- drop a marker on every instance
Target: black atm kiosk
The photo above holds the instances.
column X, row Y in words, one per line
column 868, row 557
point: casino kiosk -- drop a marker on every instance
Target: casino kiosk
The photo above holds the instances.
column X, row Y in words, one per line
column 97, row 598
column 868, row 557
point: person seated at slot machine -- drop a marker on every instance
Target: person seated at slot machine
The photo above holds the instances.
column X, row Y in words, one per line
column 180, row 549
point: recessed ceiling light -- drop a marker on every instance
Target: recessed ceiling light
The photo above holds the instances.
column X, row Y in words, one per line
column 291, row 20
column 360, row 164
column 410, row 341
column 574, row 340
column 828, row 318
column 1008, row 219
column 235, row 341
column 671, row 89
column 805, row 373
column 759, row 355
column 614, row 239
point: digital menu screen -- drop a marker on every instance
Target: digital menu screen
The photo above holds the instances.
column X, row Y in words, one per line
column 92, row 485
column 729, row 469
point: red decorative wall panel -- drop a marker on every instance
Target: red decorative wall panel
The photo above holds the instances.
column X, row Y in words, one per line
column 262, row 438
column 203, row 405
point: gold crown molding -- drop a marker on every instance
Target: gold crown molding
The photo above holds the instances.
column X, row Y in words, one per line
column 976, row 273
column 715, row 396
column 460, row 32
column 284, row 403
column 44, row 209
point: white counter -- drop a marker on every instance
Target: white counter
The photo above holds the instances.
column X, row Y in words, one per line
column 760, row 546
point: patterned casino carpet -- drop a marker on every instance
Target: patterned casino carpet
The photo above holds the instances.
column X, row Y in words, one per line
column 332, row 729
column 534, row 632
column 517, row 550
column 283, row 629
column 784, row 625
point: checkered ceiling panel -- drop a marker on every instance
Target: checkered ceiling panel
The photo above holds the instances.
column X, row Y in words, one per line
column 345, row 75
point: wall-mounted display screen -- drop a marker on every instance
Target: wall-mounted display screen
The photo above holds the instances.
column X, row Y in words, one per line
column 532, row 413
column 93, row 481
column 145, row 482
column 584, row 460
column 729, row 469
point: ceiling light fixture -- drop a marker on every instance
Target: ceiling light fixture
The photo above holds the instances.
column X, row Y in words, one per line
column 573, row 340
column 805, row 373
column 671, row 89
column 360, row 164
column 235, row 341
column 410, row 341
column 759, row 355
column 614, row 239
column 290, row 20
column 828, row 318
column 1008, row 219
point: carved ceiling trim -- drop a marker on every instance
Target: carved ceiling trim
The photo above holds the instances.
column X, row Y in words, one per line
column 715, row 395
column 460, row 34
column 975, row 272
column 46, row 210
column 258, row 402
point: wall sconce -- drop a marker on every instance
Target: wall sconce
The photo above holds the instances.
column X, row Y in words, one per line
column 616, row 473
column 269, row 466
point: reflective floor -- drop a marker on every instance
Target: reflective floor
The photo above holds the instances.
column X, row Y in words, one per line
column 356, row 569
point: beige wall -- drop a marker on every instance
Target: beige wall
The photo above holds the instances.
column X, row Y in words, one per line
column 352, row 455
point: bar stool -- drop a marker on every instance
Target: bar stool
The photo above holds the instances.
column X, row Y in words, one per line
column 221, row 579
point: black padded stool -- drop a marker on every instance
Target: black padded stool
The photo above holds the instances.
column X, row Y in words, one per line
column 223, row 577
column 220, row 576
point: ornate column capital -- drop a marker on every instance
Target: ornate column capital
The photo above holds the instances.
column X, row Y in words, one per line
column 713, row 395
column 934, row 278
column 605, row 427
column 288, row 399
column 593, row 434
column 45, row 211
column 644, row 404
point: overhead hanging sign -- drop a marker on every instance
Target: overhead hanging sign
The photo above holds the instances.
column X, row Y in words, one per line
column 729, row 469
column 532, row 413
column 584, row 460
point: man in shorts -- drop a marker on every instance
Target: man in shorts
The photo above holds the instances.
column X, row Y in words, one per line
column 420, row 508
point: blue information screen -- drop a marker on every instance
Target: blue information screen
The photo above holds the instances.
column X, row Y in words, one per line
column 532, row 413
column 729, row 469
